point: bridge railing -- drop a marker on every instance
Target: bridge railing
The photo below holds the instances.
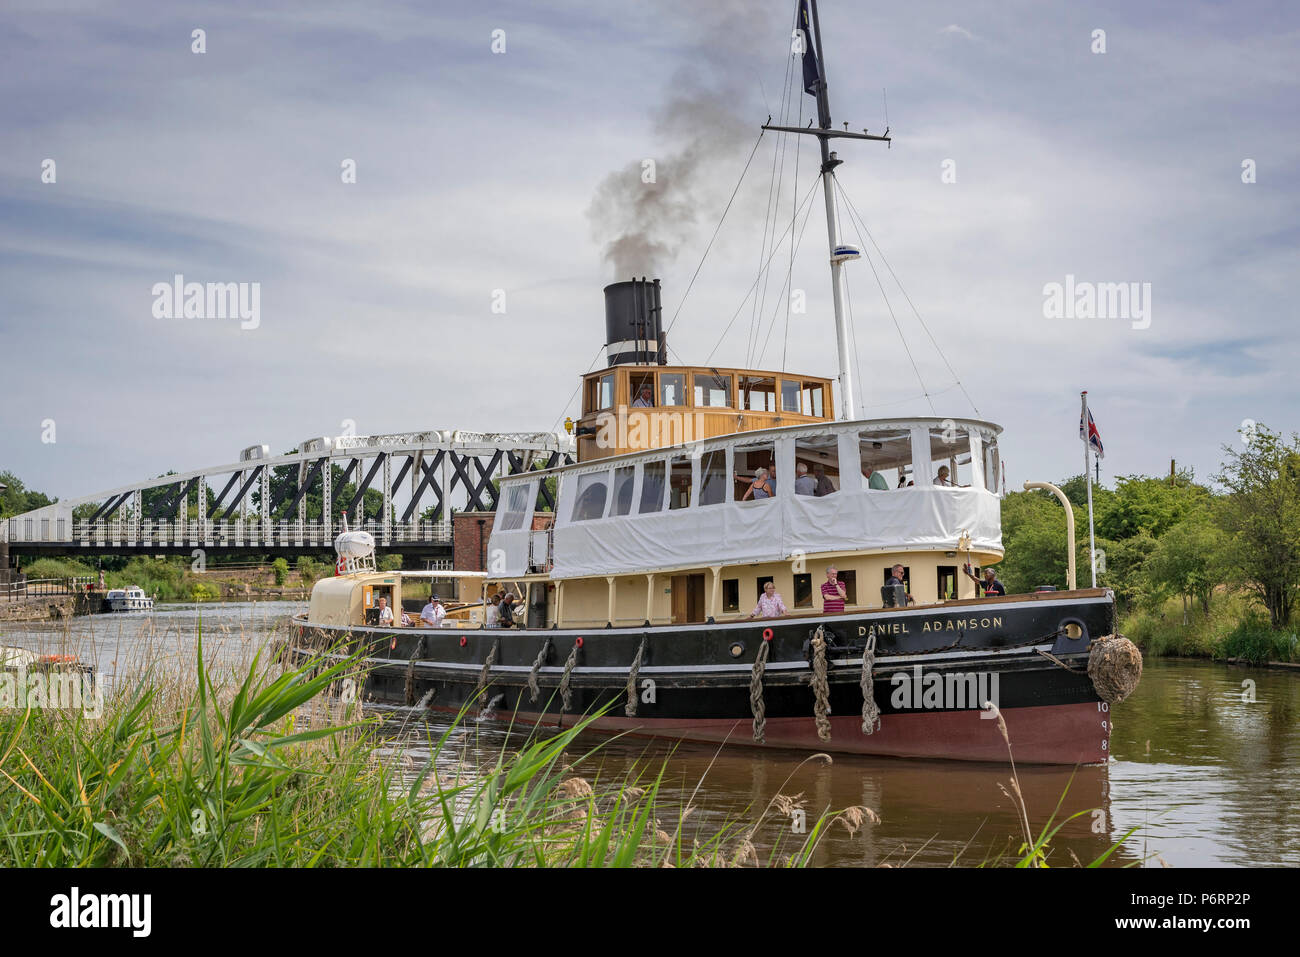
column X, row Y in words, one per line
column 40, row 587
column 239, row 533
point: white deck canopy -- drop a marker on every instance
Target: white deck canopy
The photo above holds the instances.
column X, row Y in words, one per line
column 692, row 505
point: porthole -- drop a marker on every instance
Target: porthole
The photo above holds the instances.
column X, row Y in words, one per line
column 737, row 649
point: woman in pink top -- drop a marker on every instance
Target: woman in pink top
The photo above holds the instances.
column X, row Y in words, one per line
column 769, row 604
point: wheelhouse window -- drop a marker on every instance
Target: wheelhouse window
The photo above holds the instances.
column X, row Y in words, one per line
column 713, row 477
column 803, row 590
column 790, row 392
column 814, row 399
column 712, row 390
column 679, row 482
column 600, row 392
column 592, row 490
column 672, row 388
column 624, row 482
column 749, row 460
column 641, row 389
column 758, row 393
column 817, row 465
column 652, row 487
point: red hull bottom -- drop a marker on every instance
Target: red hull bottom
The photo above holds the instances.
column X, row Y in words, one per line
column 1052, row 734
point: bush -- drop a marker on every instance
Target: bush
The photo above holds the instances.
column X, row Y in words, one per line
column 280, row 568
column 389, row 563
column 201, row 591
column 58, row 568
column 1254, row 641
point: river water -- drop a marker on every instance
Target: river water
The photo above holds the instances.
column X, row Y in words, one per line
column 1205, row 762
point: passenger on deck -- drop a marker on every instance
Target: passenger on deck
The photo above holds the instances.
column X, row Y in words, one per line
column 643, row 399
column 385, row 613
column 822, row 485
column 834, row 593
column 990, row 584
column 804, row 484
column 896, row 578
column 760, row 486
column 942, row 477
column 505, row 611
column 875, row 479
column 433, row 613
column 492, row 613
column 769, row 604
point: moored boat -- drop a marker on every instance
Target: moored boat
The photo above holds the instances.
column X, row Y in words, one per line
column 131, row 598
column 638, row 567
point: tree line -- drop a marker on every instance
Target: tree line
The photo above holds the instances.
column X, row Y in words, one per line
column 1165, row 537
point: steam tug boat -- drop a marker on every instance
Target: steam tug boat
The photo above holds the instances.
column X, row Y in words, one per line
column 637, row 585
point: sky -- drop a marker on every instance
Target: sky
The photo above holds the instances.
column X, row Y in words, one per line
column 456, row 284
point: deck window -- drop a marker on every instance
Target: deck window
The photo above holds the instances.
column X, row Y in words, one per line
column 641, row 391
column 652, row 487
column 950, row 455
column 516, row 506
column 713, row 477
column 887, row 452
column 600, row 393
column 731, row 594
column 790, row 396
column 803, row 590
column 712, row 391
column 679, row 482
column 758, row 393
column 624, row 481
column 593, row 489
column 817, row 465
column 749, row 459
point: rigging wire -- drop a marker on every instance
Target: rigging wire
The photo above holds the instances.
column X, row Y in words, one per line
column 716, row 229
column 853, row 325
column 754, row 285
column 862, row 228
column 785, row 344
column 779, row 148
column 796, row 242
column 574, row 394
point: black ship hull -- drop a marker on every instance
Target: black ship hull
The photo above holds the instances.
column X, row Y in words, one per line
column 935, row 668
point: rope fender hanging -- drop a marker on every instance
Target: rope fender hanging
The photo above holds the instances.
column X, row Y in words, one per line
column 534, row 690
column 565, row 695
column 481, row 690
column 870, row 712
column 756, row 704
column 629, row 709
column 1115, row 667
column 409, row 689
column 820, row 686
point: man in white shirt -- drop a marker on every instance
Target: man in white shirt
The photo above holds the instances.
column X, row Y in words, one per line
column 385, row 613
column 433, row 613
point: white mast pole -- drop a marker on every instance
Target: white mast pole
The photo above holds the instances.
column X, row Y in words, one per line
column 848, row 397
column 1087, row 473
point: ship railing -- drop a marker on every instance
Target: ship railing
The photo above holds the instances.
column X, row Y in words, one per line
column 253, row 532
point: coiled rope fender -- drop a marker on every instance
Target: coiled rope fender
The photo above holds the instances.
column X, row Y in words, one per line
column 564, row 679
column 820, row 686
column 534, row 690
column 481, row 690
column 1115, row 667
column 756, row 704
column 410, row 672
column 629, row 709
column 870, row 711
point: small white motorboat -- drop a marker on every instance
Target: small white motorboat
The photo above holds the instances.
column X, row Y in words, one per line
column 131, row 598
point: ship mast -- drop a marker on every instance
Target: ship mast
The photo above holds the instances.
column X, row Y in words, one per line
column 814, row 74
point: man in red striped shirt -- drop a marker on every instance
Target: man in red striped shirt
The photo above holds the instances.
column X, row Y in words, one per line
column 834, row 592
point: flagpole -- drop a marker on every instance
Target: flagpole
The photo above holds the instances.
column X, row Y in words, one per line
column 1087, row 473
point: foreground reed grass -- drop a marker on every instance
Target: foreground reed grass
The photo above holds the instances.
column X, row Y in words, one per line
column 237, row 760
